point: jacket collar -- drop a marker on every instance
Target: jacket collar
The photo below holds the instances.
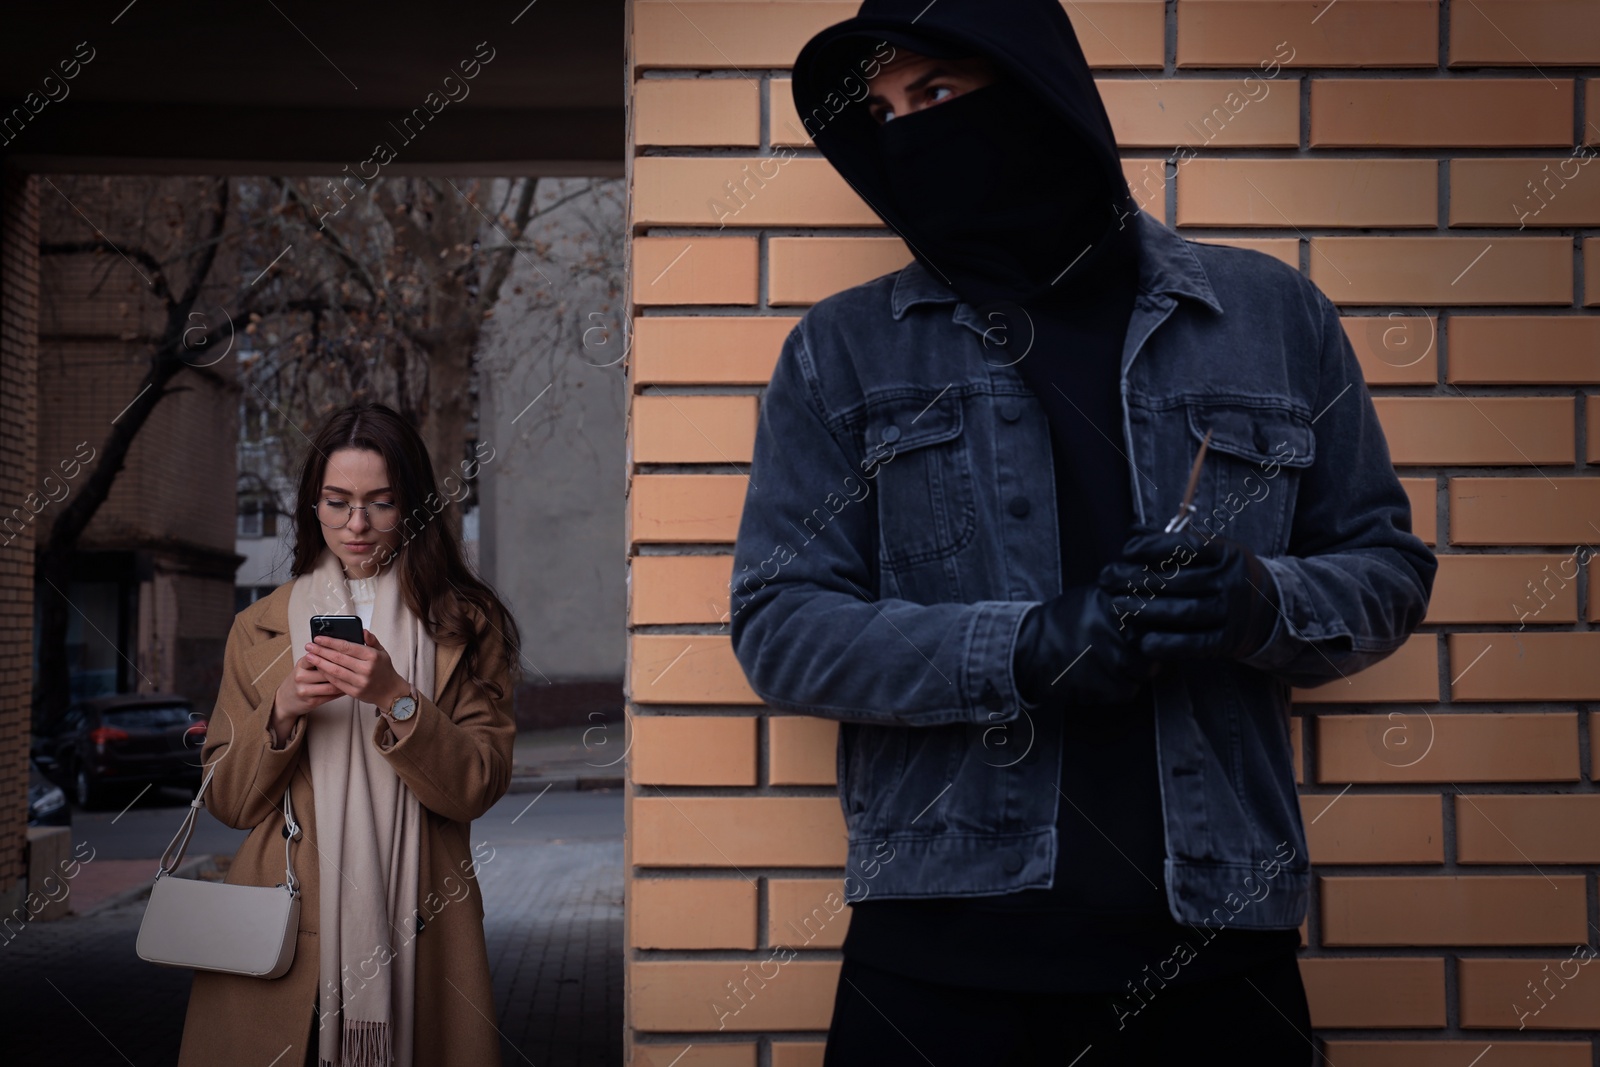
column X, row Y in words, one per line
column 1166, row 265
column 272, row 616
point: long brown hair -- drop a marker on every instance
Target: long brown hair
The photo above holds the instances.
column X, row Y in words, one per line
column 454, row 604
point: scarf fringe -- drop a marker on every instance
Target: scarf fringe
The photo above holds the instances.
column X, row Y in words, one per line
column 362, row 1044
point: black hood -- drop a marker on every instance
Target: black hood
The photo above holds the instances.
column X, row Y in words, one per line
column 1033, row 45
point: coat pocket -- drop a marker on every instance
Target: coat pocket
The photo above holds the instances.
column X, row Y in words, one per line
column 1248, row 484
column 927, row 506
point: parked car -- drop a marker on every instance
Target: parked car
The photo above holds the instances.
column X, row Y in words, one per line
column 47, row 804
column 106, row 743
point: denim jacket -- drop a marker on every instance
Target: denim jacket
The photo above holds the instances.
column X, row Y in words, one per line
column 884, row 561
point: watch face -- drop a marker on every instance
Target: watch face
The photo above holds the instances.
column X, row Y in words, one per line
column 403, row 709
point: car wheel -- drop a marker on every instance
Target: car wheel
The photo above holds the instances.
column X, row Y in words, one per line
column 86, row 790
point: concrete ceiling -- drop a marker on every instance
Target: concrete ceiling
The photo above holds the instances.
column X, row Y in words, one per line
column 292, row 87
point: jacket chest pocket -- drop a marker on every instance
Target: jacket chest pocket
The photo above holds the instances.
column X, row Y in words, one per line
column 927, row 507
column 1248, row 483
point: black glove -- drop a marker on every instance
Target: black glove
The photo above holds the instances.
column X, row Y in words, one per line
column 1187, row 598
column 1070, row 648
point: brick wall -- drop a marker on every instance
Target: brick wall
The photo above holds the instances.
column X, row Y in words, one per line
column 19, row 295
column 1428, row 165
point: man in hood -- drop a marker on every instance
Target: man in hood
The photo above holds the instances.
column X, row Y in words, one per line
column 1064, row 757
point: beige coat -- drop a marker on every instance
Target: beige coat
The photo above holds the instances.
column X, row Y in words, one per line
column 457, row 760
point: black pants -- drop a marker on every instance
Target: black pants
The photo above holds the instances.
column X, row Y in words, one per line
column 1256, row 1017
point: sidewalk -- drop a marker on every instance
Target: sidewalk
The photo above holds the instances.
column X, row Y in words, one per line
column 564, row 759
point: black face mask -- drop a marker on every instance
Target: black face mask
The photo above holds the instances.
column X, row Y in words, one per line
column 1000, row 196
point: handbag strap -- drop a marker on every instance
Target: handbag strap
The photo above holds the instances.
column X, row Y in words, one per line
column 180, row 842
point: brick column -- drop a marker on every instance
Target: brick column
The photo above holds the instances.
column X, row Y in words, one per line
column 19, row 314
column 1448, row 203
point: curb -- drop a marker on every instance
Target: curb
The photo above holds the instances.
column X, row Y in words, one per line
column 191, row 868
column 562, row 784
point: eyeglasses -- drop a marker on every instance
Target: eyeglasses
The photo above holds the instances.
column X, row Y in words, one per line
column 335, row 514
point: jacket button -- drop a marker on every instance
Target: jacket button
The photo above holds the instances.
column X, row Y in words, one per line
column 1019, row 506
column 1010, row 412
column 891, row 433
column 1011, row 862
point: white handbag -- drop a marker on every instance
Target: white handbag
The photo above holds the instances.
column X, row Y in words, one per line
column 213, row 926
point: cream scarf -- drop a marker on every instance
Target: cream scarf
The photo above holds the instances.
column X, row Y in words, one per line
column 370, row 829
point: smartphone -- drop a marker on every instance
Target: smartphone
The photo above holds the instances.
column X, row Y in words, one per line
column 342, row 627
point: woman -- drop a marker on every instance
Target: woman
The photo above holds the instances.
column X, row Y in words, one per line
column 389, row 749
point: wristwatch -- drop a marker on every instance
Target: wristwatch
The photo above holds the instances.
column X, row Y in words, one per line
column 402, row 709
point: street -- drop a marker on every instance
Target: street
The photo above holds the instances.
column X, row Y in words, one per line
column 553, row 923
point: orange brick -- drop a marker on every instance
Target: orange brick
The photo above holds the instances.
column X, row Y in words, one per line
column 1147, row 181
column 693, row 750
column 1591, row 271
column 1284, row 249
column 666, row 589
column 695, row 1054
column 1395, row 349
column 1417, row 746
column 1443, row 270
column 1523, row 511
column 1460, row 431
column 1411, row 672
column 670, row 996
column 1203, row 113
column 1525, row 666
column 1308, row 33
column 802, row 750
column 1424, row 493
column 680, row 913
column 784, row 128
column 1525, row 192
column 1519, row 33
column 1527, row 828
column 708, row 349
column 1296, row 746
column 737, row 831
column 1591, row 409
column 1563, row 994
column 1308, row 192
column 686, row 669
column 685, row 507
column 803, row 270
column 721, row 35
column 1450, row 910
column 798, row 1053
column 694, row 270
column 1438, row 112
column 693, row 429
column 1525, row 589
column 1524, row 349
column 1130, row 33
column 696, row 112
column 1373, row 827
column 726, row 191
column 1374, row 992
column 807, row 913
column 1501, row 1053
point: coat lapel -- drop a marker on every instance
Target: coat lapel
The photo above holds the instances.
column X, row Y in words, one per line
column 271, row 655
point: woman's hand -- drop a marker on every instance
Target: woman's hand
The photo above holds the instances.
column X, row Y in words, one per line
column 301, row 690
column 360, row 671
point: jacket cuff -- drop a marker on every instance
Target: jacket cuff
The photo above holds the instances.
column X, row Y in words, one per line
column 992, row 692
column 1283, row 642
